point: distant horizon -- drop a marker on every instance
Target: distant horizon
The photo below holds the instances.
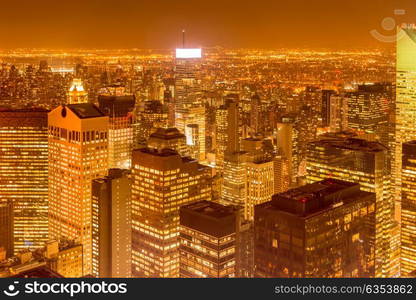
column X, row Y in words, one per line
column 158, row 24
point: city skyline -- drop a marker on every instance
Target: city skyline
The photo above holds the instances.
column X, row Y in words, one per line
column 194, row 161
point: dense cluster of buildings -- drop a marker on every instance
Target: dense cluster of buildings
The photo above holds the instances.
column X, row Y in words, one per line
column 187, row 169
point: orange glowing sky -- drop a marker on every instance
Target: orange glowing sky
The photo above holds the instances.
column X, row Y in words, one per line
column 228, row 23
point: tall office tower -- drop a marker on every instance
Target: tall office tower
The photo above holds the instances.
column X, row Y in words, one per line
column 259, row 175
column 338, row 113
column 65, row 258
column 168, row 138
column 114, row 103
column 192, row 123
column 405, row 117
column 408, row 211
column 221, row 134
column 111, row 225
column 234, row 190
column 368, row 109
column 152, row 115
column 287, row 137
column 325, row 229
column 259, row 186
column 221, row 128
column 245, row 250
column 281, row 174
column 255, row 114
column 186, row 83
column 326, row 107
column 76, row 93
column 6, row 227
column 189, row 109
column 163, row 181
column 334, row 111
column 208, row 240
column 78, row 147
column 24, row 176
column 365, row 163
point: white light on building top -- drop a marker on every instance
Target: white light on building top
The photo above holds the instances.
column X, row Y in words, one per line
column 188, row 53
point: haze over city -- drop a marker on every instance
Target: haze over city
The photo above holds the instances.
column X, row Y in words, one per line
column 158, row 23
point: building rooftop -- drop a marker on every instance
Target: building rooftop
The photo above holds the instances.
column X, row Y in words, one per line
column 116, row 105
column 211, row 209
column 352, row 144
column 210, row 218
column 85, row 110
column 167, row 133
column 311, row 198
column 39, row 272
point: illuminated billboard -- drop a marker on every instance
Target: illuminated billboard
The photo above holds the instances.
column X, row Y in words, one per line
column 188, row 53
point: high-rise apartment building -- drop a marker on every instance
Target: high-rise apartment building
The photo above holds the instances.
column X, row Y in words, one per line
column 111, row 225
column 208, row 240
column 163, row 181
column 24, row 178
column 325, row 229
column 78, row 153
column 408, row 209
column 362, row 162
column 118, row 106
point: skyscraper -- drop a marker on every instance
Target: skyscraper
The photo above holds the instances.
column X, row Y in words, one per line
column 208, row 240
column 326, row 107
column 362, row 162
column 168, row 138
column 6, row 227
column 152, row 115
column 222, row 130
column 334, row 111
column 163, row 181
column 78, row 153
column 325, row 229
column 368, row 109
column 405, row 117
column 111, row 225
column 408, row 211
column 189, row 109
column 24, row 177
column 287, row 137
column 187, row 62
column 76, row 93
column 119, row 107
column 192, row 123
column 234, row 189
column 259, row 175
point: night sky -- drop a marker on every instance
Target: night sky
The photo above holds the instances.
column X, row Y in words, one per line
column 230, row 23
